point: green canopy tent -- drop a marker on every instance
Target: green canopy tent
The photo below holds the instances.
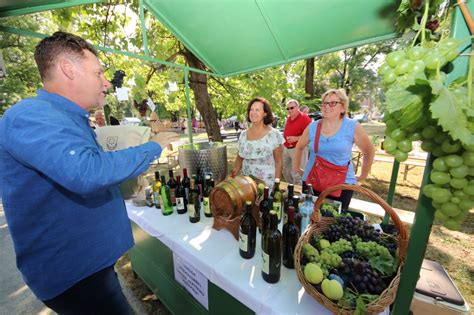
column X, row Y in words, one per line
column 233, row 37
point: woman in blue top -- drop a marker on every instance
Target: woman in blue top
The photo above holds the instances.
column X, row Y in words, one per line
column 338, row 133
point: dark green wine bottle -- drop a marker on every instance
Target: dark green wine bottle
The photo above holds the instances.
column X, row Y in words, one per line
column 194, row 205
column 291, row 234
column 247, row 233
column 206, row 203
column 271, row 251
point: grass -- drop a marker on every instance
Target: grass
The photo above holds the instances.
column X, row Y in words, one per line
column 453, row 249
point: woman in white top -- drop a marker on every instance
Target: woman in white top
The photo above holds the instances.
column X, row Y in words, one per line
column 260, row 146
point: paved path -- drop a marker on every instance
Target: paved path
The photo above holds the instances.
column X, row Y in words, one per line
column 15, row 297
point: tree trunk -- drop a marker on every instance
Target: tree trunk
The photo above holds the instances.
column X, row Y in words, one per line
column 198, row 83
column 309, row 79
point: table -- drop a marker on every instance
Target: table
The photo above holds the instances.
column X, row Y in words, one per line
column 235, row 284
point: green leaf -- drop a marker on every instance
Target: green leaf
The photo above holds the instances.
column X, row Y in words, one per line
column 398, row 98
column 140, row 81
column 449, row 111
column 385, row 267
column 360, row 309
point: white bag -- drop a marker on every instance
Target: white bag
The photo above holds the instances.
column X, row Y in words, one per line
column 113, row 138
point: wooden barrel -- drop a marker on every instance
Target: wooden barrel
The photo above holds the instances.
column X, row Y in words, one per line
column 229, row 196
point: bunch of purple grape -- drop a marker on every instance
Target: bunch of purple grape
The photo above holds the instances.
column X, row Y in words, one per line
column 347, row 227
column 361, row 277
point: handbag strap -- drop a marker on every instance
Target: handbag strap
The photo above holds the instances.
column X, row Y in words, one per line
column 316, row 138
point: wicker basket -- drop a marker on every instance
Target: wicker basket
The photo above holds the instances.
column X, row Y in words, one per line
column 318, row 226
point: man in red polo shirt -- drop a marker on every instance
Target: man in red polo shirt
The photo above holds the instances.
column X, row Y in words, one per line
column 296, row 123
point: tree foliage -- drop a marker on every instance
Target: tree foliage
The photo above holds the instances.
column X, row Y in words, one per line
column 117, row 26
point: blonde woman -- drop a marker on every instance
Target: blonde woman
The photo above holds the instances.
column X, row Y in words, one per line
column 338, row 134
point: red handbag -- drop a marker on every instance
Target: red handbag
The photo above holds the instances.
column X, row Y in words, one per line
column 325, row 174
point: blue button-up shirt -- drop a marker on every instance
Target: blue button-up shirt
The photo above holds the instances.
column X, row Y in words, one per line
column 60, row 192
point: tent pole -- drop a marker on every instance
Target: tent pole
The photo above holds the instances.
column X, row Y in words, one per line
column 188, row 105
column 143, row 28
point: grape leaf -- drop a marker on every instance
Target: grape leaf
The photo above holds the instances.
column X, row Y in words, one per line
column 360, row 309
column 385, row 267
column 398, row 97
column 447, row 108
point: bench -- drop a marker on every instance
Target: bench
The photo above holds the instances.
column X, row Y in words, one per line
column 375, row 209
column 230, row 135
column 408, row 165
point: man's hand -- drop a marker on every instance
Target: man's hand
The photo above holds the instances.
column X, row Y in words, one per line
column 157, row 126
column 165, row 138
column 292, row 139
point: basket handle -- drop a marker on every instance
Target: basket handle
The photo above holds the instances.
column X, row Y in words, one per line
column 402, row 233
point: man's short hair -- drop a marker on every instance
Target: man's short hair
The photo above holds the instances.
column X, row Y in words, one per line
column 293, row 101
column 59, row 43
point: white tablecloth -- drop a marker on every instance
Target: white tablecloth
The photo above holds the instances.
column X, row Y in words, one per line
column 216, row 255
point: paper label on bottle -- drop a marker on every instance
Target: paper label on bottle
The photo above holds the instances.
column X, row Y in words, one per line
column 180, row 203
column 206, row 205
column 243, row 241
column 265, row 263
column 191, row 210
column 277, row 208
column 186, row 193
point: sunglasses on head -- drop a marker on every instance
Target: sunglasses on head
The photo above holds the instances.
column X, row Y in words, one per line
column 290, row 108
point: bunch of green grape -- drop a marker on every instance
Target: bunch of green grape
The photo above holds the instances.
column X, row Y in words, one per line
column 420, row 61
column 452, row 191
column 372, row 249
column 400, row 70
column 329, row 259
column 340, row 246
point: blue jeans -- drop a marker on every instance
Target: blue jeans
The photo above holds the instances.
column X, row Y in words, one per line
column 100, row 293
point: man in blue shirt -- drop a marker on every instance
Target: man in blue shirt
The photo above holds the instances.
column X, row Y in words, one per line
column 61, row 196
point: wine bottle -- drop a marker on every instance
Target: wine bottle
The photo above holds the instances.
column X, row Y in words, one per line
column 166, row 201
column 291, row 235
column 277, row 198
column 156, row 191
column 288, row 202
column 206, row 202
column 264, row 208
column 297, row 217
column 194, row 205
column 306, row 208
column 199, row 182
column 247, row 233
column 181, row 201
column 186, row 183
column 271, row 251
column 149, row 196
column 172, row 185
column 266, row 217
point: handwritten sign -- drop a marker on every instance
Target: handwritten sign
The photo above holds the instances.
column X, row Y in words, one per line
column 191, row 279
